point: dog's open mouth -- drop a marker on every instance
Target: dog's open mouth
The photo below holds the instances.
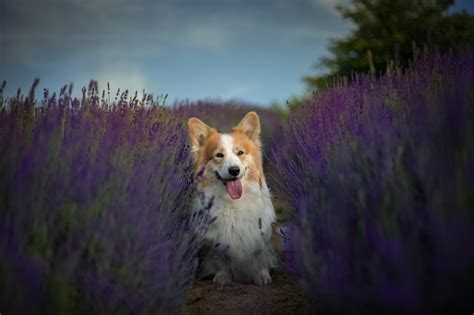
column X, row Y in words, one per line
column 233, row 186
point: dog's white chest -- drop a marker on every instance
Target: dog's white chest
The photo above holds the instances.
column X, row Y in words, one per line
column 244, row 225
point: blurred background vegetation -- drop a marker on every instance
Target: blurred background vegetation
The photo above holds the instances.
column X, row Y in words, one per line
column 388, row 35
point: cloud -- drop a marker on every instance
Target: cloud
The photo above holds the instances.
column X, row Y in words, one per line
column 238, row 91
column 195, row 47
column 138, row 29
column 209, row 37
column 123, row 77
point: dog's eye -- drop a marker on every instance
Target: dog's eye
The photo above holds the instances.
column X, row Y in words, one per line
column 240, row 152
column 219, row 155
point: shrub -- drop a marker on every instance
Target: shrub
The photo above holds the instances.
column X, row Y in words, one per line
column 380, row 173
column 92, row 198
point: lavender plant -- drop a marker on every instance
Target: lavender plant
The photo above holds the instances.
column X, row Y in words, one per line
column 380, row 173
column 92, row 200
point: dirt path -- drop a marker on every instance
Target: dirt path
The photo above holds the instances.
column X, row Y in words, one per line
column 283, row 296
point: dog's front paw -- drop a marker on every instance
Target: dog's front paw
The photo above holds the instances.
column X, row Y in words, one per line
column 263, row 277
column 222, row 278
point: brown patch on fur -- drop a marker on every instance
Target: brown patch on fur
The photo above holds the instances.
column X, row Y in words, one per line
column 213, row 144
column 204, row 154
column 250, row 126
column 198, row 132
column 206, row 143
column 252, row 149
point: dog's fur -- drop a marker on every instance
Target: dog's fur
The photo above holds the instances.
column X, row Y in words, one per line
column 239, row 238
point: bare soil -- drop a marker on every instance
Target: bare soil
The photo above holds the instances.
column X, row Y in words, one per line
column 283, row 296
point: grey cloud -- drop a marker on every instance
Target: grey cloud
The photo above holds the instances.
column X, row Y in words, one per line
column 116, row 39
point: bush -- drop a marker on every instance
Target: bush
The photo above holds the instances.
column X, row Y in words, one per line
column 92, row 200
column 381, row 177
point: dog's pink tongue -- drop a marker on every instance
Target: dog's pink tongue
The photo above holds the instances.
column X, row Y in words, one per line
column 234, row 188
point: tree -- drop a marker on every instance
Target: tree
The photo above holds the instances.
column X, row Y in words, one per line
column 390, row 33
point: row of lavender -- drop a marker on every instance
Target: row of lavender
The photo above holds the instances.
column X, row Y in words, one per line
column 95, row 196
column 381, row 174
column 92, row 199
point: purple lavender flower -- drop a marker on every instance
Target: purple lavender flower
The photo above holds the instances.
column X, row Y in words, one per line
column 93, row 201
column 380, row 174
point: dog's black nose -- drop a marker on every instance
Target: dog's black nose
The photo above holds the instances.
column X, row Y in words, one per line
column 234, row 170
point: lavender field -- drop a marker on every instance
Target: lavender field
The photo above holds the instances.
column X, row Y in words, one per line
column 381, row 177
column 93, row 199
column 95, row 195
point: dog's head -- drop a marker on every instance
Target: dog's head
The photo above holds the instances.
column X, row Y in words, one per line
column 231, row 160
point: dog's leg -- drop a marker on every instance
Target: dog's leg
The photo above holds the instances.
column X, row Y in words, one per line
column 265, row 260
column 223, row 275
column 262, row 277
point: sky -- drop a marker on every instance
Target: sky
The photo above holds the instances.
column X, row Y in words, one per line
column 254, row 51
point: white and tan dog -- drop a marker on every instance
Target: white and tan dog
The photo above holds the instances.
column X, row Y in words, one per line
column 230, row 175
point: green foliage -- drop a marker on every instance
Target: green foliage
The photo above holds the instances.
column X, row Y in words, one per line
column 389, row 33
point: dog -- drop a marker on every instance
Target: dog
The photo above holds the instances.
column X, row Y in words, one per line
column 231, row 184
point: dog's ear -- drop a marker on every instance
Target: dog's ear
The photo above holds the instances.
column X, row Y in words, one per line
column 198, row 132
column 250, row 126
